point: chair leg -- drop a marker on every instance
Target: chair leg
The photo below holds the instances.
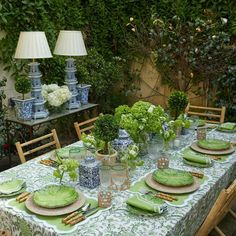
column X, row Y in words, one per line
column 217, row 229
column 232, row 213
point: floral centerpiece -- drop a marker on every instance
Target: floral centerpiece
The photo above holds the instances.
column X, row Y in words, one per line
column 66, row 166
column 140, row 119
column 55, row 95
column 167, row 133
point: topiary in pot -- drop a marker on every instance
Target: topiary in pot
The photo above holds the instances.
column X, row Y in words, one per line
column 23, row 106
column 23, row 86
column 106, row 129
column 177, row 103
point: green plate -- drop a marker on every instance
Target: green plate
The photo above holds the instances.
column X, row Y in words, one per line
column 200, row 123
column 11, row 186
column 190, row 163
column 64, row 152
column 213, row 144
column 23, row 189
column 54, row 196
column 195, row 157
column 172, row 177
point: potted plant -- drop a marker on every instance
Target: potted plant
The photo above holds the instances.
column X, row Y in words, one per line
column 177, row 103
column 23, row 106
column 106, row 129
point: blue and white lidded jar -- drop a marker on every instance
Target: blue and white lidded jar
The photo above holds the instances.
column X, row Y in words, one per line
column 89, row 172
column 123, row 141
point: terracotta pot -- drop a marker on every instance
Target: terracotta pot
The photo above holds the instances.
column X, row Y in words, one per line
column 107, row 159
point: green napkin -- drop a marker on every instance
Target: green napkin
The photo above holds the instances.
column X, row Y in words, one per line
column 192, row 156
column 228, row 126
column 147, row 203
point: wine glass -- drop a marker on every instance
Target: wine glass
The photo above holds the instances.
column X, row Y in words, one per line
column 78, row 153
column 119, row 175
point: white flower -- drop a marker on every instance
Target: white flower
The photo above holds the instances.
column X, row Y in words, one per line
column 213, row 36
column 132, row 152
column 141, row 127
column 224, row 20
column 151, row 108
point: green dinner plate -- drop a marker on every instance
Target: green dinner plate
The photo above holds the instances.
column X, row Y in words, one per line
column 55, row 196
column 213, row 144
column 172, row 177
column 23, row 189
column 195, row 157
column 11, row 186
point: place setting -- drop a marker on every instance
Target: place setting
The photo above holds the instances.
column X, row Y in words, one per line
column 12, row 187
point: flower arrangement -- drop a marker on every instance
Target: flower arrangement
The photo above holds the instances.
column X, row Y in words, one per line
column 91, row 142
column 142, row 117
column 130, row 156
column 55, row 95
column 167, row 133
column 66, row 166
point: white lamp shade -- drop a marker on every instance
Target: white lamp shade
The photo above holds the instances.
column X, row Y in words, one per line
column 32, row 45
column 70, row 43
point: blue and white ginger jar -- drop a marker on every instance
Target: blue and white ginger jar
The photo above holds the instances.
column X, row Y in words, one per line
column 122, row 142
column 89, row 172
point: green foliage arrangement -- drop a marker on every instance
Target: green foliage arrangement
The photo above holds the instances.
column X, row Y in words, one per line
column 141, row 118
column 23, row 86
column 130, row 156
column 91, row 142
column 66, row 166
column 106, row 129
column 177, row 103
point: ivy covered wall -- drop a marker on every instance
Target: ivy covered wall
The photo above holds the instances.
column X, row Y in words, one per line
column 120, row 32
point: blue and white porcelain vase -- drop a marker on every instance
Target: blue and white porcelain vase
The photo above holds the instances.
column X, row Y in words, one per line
column 83, row 92
column 89, row 172
column 122, row 142
column 24, row 108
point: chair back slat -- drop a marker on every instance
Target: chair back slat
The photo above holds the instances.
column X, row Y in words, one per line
column 84, row 126
column 216, row 115
column 51, row 140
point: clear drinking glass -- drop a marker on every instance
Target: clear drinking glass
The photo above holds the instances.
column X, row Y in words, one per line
column 119, row 175
column 105, row 176
column 153, row 149
column 104, row 194
column 78, row 153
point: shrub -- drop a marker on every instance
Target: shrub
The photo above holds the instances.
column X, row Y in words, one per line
column 22, row 86
column 177, row 103
column 106, row 129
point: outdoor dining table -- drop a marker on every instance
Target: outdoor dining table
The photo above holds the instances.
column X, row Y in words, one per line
column 179, row 220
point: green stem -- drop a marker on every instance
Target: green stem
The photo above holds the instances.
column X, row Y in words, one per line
column 63, row 172
column 106, row 148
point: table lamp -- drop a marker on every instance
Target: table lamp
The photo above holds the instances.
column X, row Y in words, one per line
column 71, row 43
column 33, row 45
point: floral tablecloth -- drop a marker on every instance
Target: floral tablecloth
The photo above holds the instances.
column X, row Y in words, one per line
column 117, row 220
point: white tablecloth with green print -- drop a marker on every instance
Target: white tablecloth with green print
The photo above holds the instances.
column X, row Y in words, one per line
column 117, row 220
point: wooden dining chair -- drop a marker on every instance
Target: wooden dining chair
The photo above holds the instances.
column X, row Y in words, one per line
column 84, row 126
column 47, row 141
column 221, row 207
column 210, row 114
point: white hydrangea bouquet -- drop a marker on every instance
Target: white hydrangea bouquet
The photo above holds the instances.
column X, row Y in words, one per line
column 55, row 95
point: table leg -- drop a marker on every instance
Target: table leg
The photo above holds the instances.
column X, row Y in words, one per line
column 8, row 142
